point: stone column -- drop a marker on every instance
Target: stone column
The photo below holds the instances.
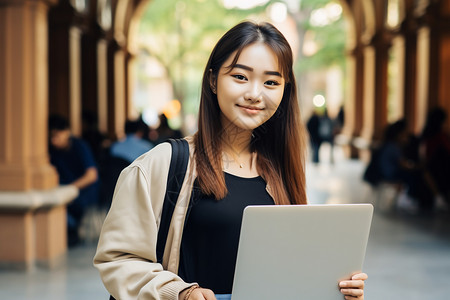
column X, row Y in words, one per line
column 444, row 58
column 381, row 87
column 24, row 162
column 369, row 84
column 355, row 102
column 32, row 204
column 431, row 64
column 116, row 89
column 65, row 52
column 409, row 30
column 422, row 76
column 375, row 88
column 120, row 115
column 102, row 79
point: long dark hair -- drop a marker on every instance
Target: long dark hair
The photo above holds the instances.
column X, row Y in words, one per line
column 279, row 142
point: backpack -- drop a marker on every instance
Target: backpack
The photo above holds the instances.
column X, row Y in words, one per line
column 177, row 172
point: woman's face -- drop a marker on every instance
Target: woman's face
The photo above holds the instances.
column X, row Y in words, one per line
column 250, row 93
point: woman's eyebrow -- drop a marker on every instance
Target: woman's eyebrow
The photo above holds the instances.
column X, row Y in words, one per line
column 275, row 73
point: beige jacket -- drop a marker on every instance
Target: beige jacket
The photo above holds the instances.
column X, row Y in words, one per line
column 126, row 249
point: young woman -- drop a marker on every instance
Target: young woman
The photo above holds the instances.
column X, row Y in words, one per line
column 249, row 149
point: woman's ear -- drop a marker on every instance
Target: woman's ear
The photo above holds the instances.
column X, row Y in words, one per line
column 212, row 81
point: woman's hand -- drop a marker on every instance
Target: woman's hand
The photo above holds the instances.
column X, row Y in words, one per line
column 197, row 294
column 354, row 288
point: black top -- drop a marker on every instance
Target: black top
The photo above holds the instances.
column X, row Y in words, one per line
column 211, row 233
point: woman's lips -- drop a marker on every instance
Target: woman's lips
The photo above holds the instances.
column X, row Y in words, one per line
column 250, row 109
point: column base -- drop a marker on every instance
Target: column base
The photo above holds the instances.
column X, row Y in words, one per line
column 33, row 227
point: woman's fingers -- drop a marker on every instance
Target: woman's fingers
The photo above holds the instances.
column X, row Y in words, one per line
column 360, row 276
column 354, row 289
column 202, row 294
column 352, row 292
column 359, row 284
column 208, row 294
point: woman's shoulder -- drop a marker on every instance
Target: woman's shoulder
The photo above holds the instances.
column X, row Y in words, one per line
column 158, row 154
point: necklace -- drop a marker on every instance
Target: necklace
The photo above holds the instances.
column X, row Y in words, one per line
column 240, row 164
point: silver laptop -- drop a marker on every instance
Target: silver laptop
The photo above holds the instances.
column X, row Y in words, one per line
column 300, row 251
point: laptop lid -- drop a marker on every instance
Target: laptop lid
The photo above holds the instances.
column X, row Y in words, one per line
column 300, row 251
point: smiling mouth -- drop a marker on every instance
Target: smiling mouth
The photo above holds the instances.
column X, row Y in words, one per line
column 251, row 108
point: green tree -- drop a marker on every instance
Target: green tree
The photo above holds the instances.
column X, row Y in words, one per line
column 330, row 38
column 181, row 35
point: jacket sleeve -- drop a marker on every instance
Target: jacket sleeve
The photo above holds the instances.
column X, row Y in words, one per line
column 126, row 252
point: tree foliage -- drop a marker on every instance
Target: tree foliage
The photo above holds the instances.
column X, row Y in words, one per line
column 180, row 34
column 330, row 39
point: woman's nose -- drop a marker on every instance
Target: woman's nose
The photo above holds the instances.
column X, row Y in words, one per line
column 254, row 94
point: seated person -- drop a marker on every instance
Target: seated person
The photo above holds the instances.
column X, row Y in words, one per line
column 75, row 164
column 436, row 153
column 393, row 165
column 133, row 145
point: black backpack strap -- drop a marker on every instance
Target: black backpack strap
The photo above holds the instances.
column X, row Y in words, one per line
column 177, row 171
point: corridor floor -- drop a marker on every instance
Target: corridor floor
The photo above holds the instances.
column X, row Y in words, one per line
column 408, row 256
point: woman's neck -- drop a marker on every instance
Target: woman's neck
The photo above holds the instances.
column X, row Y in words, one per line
column 236, row 152
column 236, row 140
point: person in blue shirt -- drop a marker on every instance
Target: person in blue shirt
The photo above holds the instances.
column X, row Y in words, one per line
column 75, row 163
column 133, row 145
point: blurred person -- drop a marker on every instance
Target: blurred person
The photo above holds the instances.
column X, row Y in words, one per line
column 435, row 143
column 97, row 141
column 327, row 131
column 340, row 119
column 133, row 144
column 165, row 131
column 121, row 154
column 393, row 166
column 76, row 165
column 248, row 150
column 314, row 137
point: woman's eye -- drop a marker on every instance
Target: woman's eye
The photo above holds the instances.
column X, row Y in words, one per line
column 239, row 77
column 272, row 83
